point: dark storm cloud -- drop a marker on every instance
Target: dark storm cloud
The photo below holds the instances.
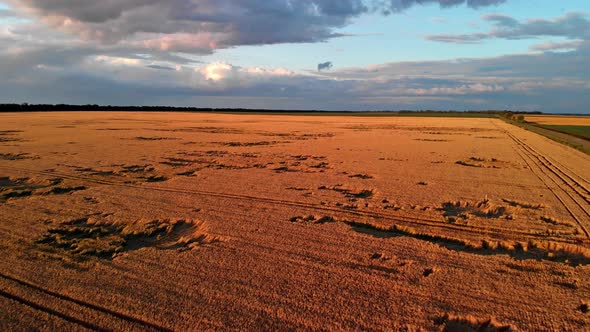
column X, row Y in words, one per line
column 572, row 26
column 325, row 65
column 198, row 26
column 201, row 26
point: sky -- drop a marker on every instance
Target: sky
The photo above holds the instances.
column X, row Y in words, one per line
column 354, row 55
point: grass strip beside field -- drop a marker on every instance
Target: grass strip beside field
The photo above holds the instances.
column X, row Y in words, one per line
column 569, row 139
column 578, row 131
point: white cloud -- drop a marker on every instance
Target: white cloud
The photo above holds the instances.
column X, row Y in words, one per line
column 118, row 61
column 221, row 71
column 555, row 46
column 573, row 25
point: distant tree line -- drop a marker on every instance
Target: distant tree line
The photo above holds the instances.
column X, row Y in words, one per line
column 25, row 107
column 518, row 117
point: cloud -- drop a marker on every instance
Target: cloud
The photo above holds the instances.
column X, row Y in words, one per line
column 399, row 5
column 207, row 25
column 545, row 81
column 221, row 75
column 195, row 26
column 572, row 25
column 501, row 20
column 553, row 46
column 475, row 38
column 325, row 66
column 218, row 71
column 160, row 67
column 544, row 66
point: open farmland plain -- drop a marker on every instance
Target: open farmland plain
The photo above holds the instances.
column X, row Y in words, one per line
column 185, row 221
column 558, row 120
column 570, row 130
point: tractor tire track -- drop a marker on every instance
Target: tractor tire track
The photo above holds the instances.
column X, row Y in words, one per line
column 572, row 194
column 468, row 230
column 86, row 306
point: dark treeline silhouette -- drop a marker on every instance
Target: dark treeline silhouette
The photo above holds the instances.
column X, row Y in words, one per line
column 25, row 107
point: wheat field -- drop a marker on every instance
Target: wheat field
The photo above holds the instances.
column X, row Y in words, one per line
column 188, row 221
